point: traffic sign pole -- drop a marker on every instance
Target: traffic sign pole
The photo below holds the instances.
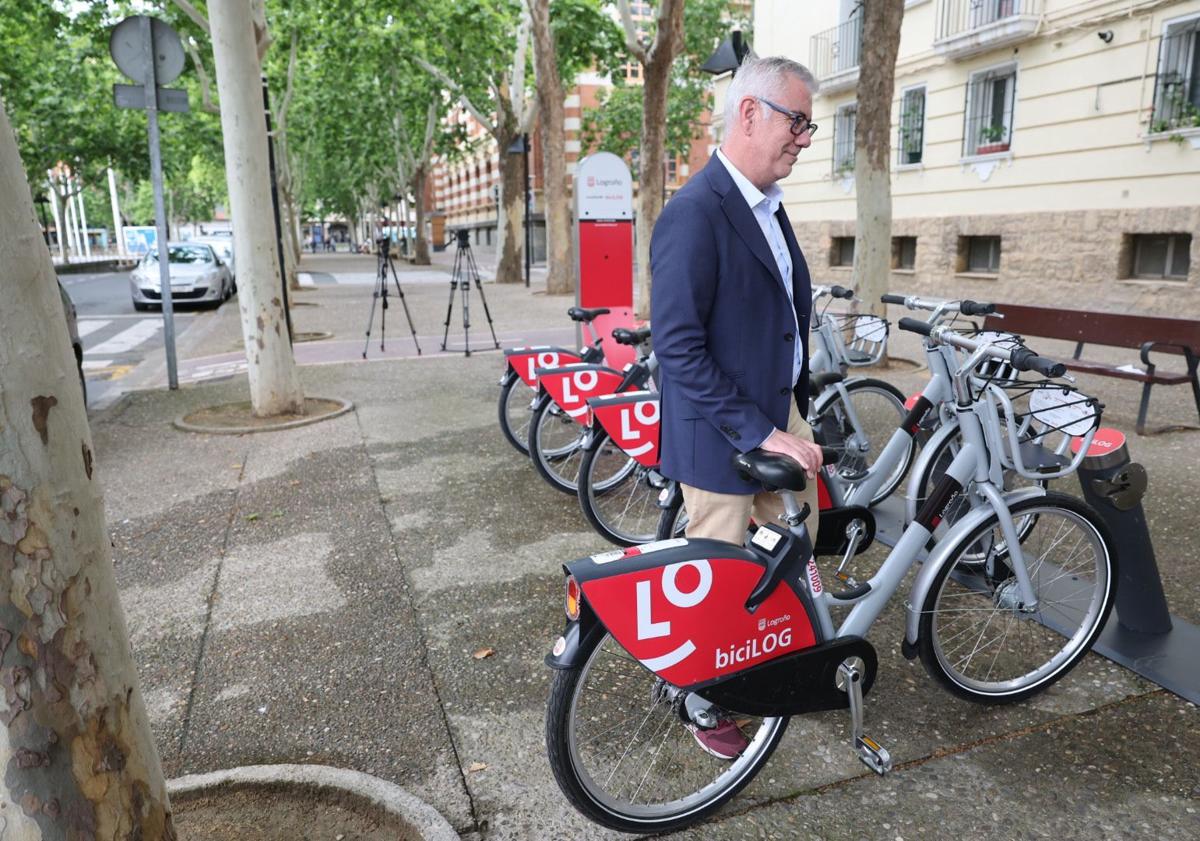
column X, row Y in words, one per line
column 160, row 213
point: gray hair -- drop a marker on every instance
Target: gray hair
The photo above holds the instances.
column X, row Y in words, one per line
column 763, row 77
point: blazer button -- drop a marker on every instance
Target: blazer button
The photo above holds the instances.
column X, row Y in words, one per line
column 785, row 391
column 787, row 337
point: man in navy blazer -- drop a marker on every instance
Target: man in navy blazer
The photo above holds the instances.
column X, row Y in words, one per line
column 730, row 306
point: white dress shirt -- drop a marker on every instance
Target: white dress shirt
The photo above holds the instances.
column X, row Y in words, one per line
column 764, row 206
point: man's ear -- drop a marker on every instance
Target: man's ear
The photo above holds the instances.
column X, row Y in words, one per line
column 747, row 114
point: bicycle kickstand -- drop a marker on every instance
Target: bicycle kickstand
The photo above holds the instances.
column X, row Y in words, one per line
column 872, row 754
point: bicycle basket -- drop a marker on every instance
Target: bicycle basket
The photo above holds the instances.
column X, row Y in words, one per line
column 865, row 337
column 1041, row 431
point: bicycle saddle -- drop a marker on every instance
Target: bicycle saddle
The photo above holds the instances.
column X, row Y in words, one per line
column 584, row 314
column 623, row 336
column 774, row 470
column 818, row 382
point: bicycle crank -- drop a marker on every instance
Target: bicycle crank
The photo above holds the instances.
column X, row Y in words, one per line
column 874, row 755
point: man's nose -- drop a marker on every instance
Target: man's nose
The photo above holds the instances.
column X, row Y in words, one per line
column 803, row 140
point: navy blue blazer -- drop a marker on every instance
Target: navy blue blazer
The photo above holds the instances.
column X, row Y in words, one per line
column 723, row 331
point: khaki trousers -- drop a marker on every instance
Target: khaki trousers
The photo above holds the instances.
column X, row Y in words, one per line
column 726, row 516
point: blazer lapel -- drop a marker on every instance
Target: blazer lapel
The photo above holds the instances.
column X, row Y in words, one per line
column 740, row 216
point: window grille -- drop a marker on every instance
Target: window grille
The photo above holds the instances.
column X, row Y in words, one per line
column 1162, row 256
column 912, row 126
column 983, row 254
column 843, row 252
column 1177, row 84
column 989, row 116
column 843, row 139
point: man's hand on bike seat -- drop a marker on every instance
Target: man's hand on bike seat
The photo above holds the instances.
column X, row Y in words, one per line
column 807, row 453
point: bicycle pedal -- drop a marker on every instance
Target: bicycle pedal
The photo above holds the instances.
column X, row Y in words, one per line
column 874, row 755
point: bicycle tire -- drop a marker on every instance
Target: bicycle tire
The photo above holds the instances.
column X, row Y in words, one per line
column 672, row 520
column 615, row 495
column 556, row 446
column 573, row 760
column 831, row 426
column 510, row 407
column 960, row 594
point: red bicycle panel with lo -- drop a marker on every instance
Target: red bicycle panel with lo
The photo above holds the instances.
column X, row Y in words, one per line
column 687, row 621
column 631, row 420
column 526, row 360
column 572, row 385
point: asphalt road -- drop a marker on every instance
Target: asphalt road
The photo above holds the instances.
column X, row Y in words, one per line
column 116, row 338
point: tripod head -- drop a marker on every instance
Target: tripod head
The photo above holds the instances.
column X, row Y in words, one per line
column 463, row 237
column 385, row 247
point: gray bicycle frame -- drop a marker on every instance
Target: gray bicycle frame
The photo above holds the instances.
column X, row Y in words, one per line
column 972, row 468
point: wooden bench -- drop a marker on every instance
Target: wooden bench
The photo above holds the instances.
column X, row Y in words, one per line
column 1178, row 336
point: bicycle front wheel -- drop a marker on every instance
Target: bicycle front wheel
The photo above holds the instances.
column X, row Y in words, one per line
column 978, row 639
column 620, row 751
column 556, row 446
column 878, row 408
column 616, row 495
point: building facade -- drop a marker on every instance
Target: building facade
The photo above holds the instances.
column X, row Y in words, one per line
column 1043, row 150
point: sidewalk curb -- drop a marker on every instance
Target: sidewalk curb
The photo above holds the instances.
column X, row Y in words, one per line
column 389, row 797
column 180, row 423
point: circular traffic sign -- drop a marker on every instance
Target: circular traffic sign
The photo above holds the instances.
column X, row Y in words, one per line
column 128, row 49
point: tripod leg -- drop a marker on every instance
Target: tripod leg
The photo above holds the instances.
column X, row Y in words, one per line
column 466, row 307
column 371, row 318
column 411, row 327
column 486, row 311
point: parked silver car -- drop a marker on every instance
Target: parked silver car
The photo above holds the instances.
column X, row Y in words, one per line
column 198, row 275
column 224, row 248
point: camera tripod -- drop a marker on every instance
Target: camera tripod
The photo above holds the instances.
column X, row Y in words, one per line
column 465, row 271
column 381, row 291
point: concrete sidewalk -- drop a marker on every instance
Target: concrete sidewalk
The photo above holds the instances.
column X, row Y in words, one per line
column 320, row 595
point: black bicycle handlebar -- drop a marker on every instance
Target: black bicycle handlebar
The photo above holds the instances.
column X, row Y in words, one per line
column 889, row 298
column 1024, row 359
column 914, row 325
column 976, row 308
column 841, row 292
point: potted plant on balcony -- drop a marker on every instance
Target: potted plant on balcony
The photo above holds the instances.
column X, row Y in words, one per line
column 991, row 140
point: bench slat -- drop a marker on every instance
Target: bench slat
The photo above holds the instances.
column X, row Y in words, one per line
column 1101, row 328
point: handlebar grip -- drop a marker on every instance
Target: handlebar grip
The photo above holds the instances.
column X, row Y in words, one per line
column 841, row 292
column 1023, row 359
column 889, row 298
column 915, row 325
column 830, row 455
column 976, row 308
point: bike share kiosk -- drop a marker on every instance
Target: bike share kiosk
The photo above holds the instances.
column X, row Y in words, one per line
column 604, row 243
column 1141, row 634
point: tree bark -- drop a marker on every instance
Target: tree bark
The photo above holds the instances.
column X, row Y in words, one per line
column 656, row 60
column 560, row 263
column 509, row 268
column 274, row 382
column 421, row 243
column 75, row 740
column 872, row 150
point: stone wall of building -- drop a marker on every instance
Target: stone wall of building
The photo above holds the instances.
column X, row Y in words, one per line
column 1079, row 258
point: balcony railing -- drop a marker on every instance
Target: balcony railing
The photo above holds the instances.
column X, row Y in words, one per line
column 836, row 53
column 1177, row 83
column 969, row 27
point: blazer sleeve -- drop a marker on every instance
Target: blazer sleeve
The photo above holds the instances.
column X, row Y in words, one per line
column 684, row 272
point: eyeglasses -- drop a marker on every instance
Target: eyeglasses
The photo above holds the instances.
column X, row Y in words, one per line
column 800, row 123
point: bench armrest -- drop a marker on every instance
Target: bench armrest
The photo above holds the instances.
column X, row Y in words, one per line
column 1188, row 353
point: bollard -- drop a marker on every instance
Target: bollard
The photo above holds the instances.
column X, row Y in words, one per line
column 1114, row 486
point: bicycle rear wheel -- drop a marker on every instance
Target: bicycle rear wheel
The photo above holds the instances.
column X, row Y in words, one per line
column 980, row 642
column 515, row 411
column 616, row 495
column 556, row 446
column 620, row 752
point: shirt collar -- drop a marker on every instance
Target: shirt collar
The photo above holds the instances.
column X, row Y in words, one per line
column 752, row 195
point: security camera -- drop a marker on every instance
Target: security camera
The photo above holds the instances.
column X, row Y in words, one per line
column 1105, row 35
